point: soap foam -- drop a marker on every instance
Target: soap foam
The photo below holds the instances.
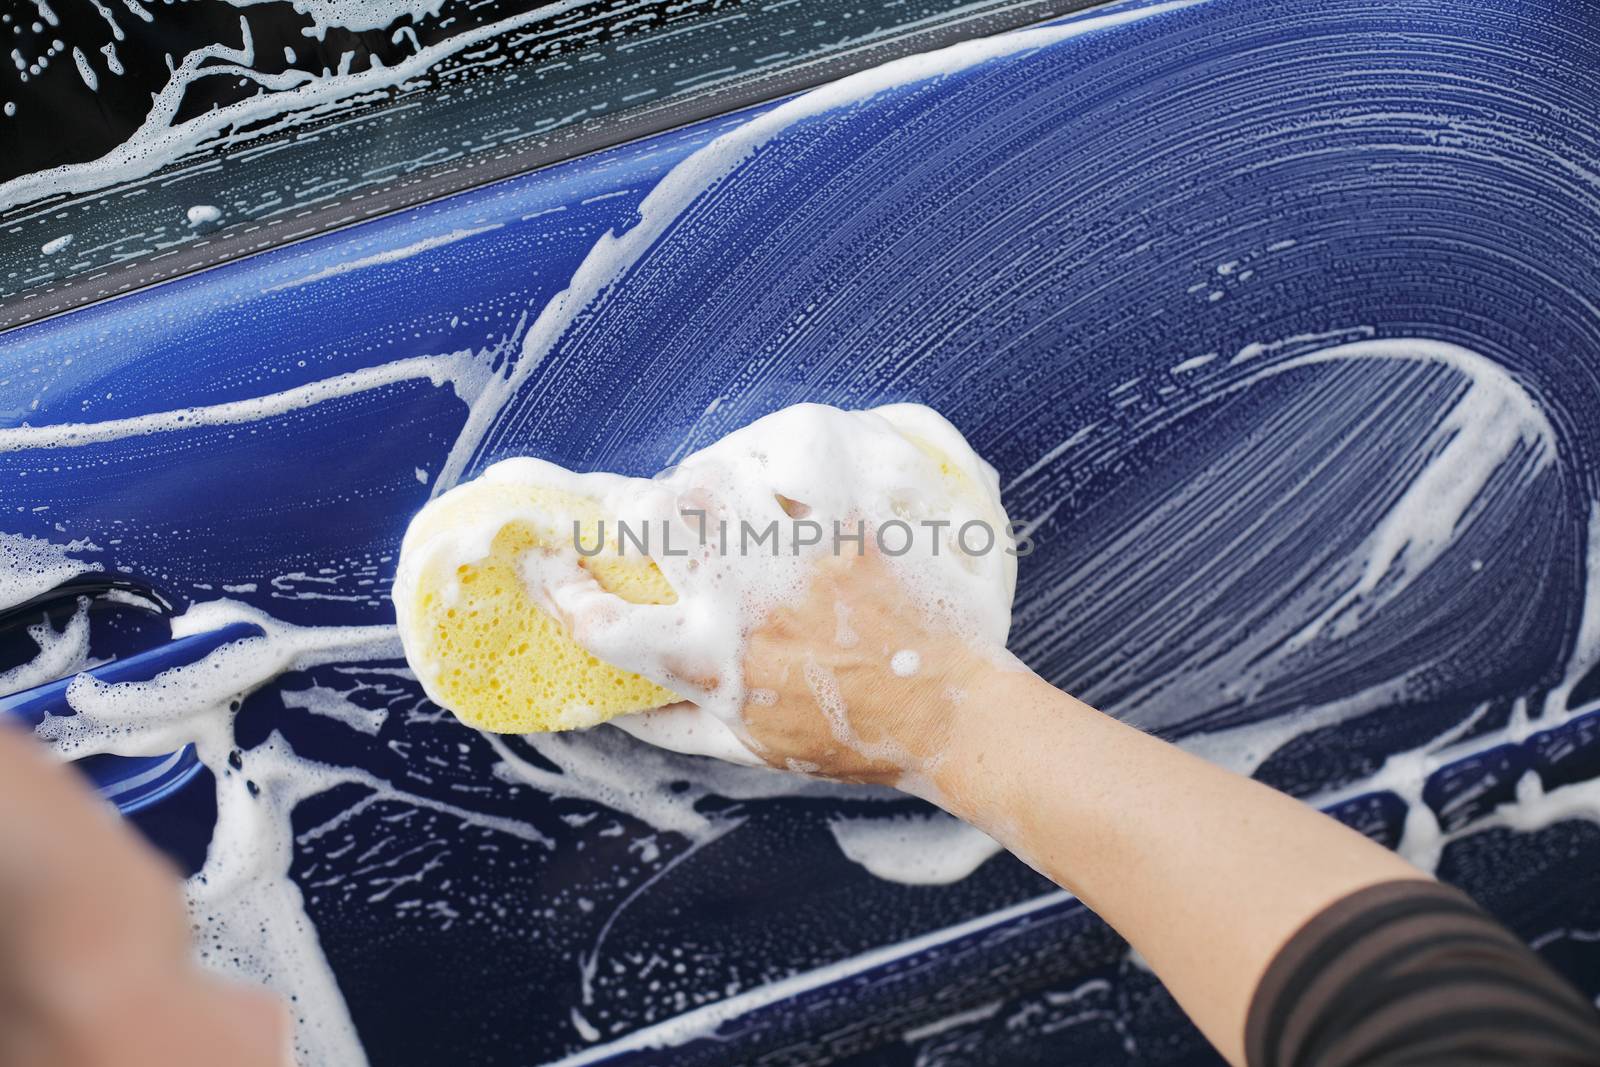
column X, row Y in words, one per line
column 287, row 98
column 249, row 917
column 738, row 529
column 30, row 566
column 922, row 849
column 906, row 662
column 61, row 653
column 254, row 922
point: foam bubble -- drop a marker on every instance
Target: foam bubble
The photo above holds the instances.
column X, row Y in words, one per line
column 203, row 215
column 737, row 530
column 30, row 566
column 906, row 662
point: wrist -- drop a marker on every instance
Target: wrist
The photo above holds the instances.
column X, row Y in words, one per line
column 959, row 730
column 982, row 772
column 909, row 713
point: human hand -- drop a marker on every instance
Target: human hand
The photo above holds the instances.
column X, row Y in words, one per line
column 854, row 681
column 96, row 962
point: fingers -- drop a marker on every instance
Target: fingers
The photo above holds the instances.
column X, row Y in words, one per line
column 251, row 1021
column 688, row 527
column 658, row 641
column 685, row 727
column 704, row 511
column 81, row 870
column 691, row 671
column 617, row 631
column 663, row 642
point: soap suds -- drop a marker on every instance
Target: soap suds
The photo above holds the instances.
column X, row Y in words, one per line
column 203, row 215
column 738, row 529
column 439, row 370
column 61, row 653
column 391, row 256
column 931, row 849
column 287, row 96
column 905, row 662
column 30, row 566
column 602, row 766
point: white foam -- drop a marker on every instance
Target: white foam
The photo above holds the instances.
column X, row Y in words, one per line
column 439, row 370
column 930, row 849
column 905, row 662
column 358, row 15
column 336, row 704
column 203, row 214
column 85, row 71
column 738, row 529
column 30, row 566
column 61, row 654
column 162, row 139
column 393, row 255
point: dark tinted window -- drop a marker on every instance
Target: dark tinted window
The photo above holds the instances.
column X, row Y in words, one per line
column 203, row 129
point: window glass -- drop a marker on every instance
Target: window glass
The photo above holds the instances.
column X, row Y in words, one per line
column 142, row 138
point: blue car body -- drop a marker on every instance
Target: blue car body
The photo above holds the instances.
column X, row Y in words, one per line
column 1082, row 247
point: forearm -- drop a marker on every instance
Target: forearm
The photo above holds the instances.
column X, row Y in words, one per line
column 1219, row 881
column 1205, row 872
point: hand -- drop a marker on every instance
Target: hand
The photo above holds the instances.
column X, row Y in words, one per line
column 853, row 682
column 96, row 963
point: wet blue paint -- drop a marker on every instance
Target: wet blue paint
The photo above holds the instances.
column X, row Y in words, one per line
column 1033, row 247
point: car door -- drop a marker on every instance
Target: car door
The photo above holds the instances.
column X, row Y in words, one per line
column 1279, row 321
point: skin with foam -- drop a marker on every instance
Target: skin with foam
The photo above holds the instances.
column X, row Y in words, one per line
column 741, row 524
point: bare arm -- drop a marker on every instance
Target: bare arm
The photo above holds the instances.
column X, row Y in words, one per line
column 1207, row 873
column 96, row 964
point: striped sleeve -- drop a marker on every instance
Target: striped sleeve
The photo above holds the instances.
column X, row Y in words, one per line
column 1413, row 974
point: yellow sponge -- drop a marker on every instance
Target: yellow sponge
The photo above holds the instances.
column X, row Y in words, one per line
column 480, row 643
column 484, row 647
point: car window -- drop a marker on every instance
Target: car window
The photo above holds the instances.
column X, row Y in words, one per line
column 145, row 139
